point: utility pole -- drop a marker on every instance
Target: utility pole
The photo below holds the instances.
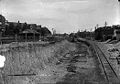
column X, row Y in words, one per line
column 91, row 33
column 105, row 23
column 97, row 26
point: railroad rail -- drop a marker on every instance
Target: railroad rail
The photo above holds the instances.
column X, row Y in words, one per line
column 23, row 75
column 108, row 70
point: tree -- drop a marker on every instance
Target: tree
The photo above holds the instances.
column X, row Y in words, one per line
column 6, row 30
column 24, row 26
column 45, row 31
column 105, row 23
column 54, row 31
column 17, row 29
column 10, row 30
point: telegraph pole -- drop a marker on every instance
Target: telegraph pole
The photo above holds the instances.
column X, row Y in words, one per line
column 105, row 23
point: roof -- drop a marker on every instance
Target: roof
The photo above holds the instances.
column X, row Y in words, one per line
column 29, row 31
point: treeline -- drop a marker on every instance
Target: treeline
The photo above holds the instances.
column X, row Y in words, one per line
column 105, row 33
column 12, row 29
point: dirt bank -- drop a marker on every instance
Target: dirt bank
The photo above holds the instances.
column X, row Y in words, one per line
column 41, row 61
column 59, row 63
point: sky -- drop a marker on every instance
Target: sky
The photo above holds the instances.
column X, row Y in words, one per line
column 64, row 16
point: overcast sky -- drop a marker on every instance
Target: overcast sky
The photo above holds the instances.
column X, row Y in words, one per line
column 63, row 15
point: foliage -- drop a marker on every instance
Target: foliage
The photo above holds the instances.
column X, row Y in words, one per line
column 104, row 33
column 44, row 31
column 15, row 28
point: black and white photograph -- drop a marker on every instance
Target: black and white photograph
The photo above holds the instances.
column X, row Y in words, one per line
column 59, row 41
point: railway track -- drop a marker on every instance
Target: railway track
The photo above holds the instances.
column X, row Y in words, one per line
column 107, row 69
